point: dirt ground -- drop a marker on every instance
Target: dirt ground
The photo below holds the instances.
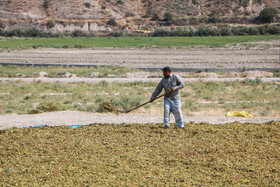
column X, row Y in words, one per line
column 83, row 118
column 249, row 55
column 252, row 55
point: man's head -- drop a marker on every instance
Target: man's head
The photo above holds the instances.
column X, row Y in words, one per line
column 166, row 71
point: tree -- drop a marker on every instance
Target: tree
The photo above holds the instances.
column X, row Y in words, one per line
column 267, row 15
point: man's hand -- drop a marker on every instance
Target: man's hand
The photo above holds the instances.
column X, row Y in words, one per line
column 172, row 90
column 151, row 100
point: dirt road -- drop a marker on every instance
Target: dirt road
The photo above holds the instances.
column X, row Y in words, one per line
column 82, row 118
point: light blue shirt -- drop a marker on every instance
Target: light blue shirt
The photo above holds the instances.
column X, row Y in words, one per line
column 173, row 81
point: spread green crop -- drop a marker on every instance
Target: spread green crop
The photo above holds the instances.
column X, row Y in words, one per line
column 142, row 154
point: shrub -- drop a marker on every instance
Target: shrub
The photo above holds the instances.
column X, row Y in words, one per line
column 168, row 18
column 15, row 32
column 179, row 32
column 50, row 24
column 115, row 34
column 253, row 31
column 87, row 5
column 120, row 2
column 240, row 31
column 213, row 18
column 192, row 31
column 226, row 31
column 160, row 32
column 269, row 29
column 193, row 21
column 155, row 17
column 48, row 106
column 2, row 25
column 46, row 4
column 79, row 33
column 267, row 15
column 31, row 32
column 207, row 31
column 112, row 22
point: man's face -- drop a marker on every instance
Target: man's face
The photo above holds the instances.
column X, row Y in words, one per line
column 166, row 74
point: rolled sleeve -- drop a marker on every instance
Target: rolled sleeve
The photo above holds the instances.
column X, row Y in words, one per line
column 180, row 83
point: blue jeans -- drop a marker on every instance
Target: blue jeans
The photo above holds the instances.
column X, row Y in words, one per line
column 173, row 106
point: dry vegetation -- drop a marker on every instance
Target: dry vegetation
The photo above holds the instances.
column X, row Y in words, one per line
column 198, row 98
column 142, row 154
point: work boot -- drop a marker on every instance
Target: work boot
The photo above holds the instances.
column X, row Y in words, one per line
column 166, row 127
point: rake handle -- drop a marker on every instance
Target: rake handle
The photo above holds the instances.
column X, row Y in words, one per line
column 148, row 102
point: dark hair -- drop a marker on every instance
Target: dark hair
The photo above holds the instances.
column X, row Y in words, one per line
column 167, row 69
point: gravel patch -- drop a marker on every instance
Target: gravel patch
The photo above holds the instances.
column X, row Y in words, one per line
column 82, row 118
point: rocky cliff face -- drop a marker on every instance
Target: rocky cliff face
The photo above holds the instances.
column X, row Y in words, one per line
column 92, row 15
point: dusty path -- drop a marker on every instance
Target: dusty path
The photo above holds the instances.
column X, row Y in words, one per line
column 82, row 118
column 151, row 57
column 77, row 79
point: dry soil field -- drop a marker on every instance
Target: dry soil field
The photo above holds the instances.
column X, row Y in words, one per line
column 248, row 55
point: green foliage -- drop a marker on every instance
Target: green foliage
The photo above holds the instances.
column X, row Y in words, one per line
column 31, row 32
column 223, row 31
column 267, row 15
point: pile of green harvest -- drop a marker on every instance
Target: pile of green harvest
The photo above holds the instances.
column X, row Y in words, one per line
column 142, row 154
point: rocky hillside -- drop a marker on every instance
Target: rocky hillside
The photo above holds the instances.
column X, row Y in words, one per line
column 125, row 15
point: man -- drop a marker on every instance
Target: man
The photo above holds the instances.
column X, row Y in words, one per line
column 172, row 101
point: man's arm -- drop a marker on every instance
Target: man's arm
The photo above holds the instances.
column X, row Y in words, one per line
column 157, row 91
column 180, row 83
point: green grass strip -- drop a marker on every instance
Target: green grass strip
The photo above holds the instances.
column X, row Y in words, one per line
column 126, row 42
